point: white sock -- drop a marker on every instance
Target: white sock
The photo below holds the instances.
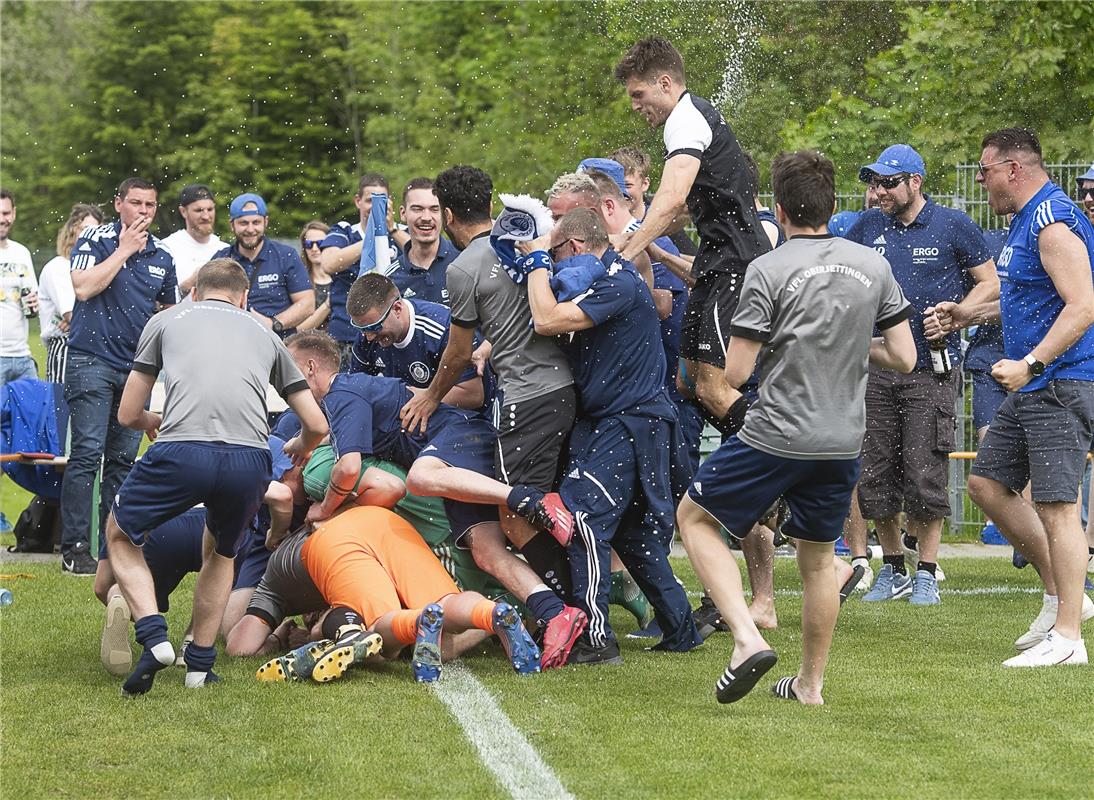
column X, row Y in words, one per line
column 195, row 680
column 540, row 587
column 164, row 653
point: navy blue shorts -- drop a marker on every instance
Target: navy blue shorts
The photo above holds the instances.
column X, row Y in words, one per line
column 172, row 477
column 172, row 551
column 251, row 558
column 737, row 484
column 463, row 439
column 987, row 396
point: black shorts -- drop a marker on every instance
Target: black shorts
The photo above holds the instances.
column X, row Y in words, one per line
column 533, row 436
column 704, row 333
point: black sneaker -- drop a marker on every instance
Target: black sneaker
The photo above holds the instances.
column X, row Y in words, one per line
column 78, row 561
column 708, row 619
column 584, row 653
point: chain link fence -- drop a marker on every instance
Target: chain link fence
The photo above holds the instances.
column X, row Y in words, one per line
column 966, row 519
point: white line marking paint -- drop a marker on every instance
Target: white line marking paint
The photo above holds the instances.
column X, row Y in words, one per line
column 502, row 748
column 974, row 592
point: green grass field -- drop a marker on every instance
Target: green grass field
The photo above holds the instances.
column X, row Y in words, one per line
column 918, row 706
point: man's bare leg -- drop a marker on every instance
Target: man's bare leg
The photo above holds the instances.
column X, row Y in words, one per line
column 854, row 530
column 238, row 600
column 820, row 607
column 928, row 535
column 211, row 591
column 1067, row 555
column 759, row 552
column 1019, row 523
column 718, row 572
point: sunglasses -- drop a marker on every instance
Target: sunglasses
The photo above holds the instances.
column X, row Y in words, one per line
column 374, row 327
column 888, row 181
column 552, row 251
column 1086, row 190
column 310, row 243
column 982, row 168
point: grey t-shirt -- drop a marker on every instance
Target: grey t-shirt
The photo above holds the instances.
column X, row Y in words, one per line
column 217, row 362
column 286, row 588
column 484, row 296
column 814, row 303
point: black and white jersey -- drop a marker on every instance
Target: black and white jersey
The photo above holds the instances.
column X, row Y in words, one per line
column 720, row 200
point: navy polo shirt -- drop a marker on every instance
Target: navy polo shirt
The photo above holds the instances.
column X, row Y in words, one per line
column 1028, row 299
column 425, row 284
column 276, row 273
column 663, row 278
column 343, row 234
column 619, row 364
column 363, row 413
column 109, row 324
column 929, row 259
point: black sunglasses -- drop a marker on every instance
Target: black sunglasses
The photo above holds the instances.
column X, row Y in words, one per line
column 552, row 250
column 888, row 181
column 377, row 326
column 1086, row 190
column 310, row 243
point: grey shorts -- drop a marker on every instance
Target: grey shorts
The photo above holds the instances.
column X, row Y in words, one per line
column 910, row 432
column 1041, row 438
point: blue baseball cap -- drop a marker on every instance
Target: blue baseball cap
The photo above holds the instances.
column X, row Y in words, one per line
column 235, row 210
column 610, row 167
column 1086, row 176
column 895, row 160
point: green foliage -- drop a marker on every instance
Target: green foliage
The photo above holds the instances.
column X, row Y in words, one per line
column 295, row 99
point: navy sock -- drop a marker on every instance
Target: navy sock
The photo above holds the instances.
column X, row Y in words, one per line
column 158, row 653
column 337, row 618
column 547, row 558
column 544, row 605
column 199, row 665
column 897, row 563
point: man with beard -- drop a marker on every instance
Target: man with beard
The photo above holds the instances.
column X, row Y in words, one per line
column 911, row 418
column 196, row 243
column 281, row 295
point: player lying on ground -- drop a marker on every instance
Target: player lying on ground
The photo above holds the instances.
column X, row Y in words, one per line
column 385, row 590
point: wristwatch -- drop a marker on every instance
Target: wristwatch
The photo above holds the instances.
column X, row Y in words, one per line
column 278, row 328
column 1036, row 367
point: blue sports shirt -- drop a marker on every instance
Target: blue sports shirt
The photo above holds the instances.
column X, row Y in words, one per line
column 986, row 343
column 1028, row 299
column 109, row 324
column 619, row 363
column 414, row 361
column 343, row 234
column 276, row 273
column 425, row 284
column 929, row 258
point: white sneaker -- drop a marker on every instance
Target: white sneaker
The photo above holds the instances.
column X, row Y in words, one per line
column 1040, row 626
column 1052, row 651
column 939, row 575
column 114, row 648
column 180, row 659
column 867, row 580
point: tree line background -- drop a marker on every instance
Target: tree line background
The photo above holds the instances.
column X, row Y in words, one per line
column 295, row 99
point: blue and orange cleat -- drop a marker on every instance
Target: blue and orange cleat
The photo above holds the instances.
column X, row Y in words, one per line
column 520, row 648
column 426, row 660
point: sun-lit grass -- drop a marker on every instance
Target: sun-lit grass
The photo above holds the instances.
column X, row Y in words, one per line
column 918, row 707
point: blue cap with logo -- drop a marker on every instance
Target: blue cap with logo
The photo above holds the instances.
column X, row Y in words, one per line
column 235, row 210
column 610, row 167
column 1086, row 176
column 899, row 159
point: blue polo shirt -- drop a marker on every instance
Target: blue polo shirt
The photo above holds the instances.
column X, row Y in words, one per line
column 619, row 364
column 414, row 360
column 109, row 324
column 986, row 342
column 929, row 258
column 1028, row 299
column 425, row 284
column 276, row 273
column 343, row 234
column 664, row 278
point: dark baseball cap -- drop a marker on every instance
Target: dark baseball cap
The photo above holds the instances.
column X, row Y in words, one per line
column 193, row 192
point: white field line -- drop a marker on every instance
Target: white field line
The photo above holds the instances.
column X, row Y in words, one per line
column 974, row 592
column 502, row 748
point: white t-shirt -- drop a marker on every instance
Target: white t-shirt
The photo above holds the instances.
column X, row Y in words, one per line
column 55, row 296
column 190, row 254
column 16, row 274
